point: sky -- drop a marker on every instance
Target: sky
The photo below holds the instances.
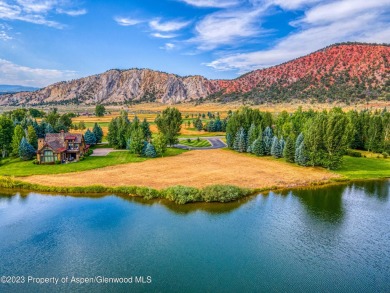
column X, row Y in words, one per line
column 46, row 41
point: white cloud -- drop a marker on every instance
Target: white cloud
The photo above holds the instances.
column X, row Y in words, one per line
column 76, row 12
column 168, row 46
column 11, row 73
column 167, row 26
column 293, row 4
column 356, row 21
column 36, row 11
column 227, row 28
column 4, row 29
column 212, row 3
column 126, row 21
column 164, row 36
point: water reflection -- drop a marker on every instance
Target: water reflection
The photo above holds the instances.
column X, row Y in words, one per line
column 377, row 189
column 323, row 203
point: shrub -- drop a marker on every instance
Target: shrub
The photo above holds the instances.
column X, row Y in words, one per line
column 223, row 193
column 385, row 155
column 188, row 139
column 182, row 194
column 353, row 153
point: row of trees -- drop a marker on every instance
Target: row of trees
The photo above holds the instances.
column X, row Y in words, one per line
column 214, row 125
column 309, row 138
column 137, row 137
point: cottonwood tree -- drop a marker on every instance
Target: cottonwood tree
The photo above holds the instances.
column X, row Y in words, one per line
column 169, row 124
column 16, row 139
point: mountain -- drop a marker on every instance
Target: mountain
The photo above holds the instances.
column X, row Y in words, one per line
column 346, row 72
column 5, row 88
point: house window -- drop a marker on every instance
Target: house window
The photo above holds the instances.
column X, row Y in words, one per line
column 48, row 156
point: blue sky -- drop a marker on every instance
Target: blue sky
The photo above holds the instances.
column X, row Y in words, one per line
column 45, row 41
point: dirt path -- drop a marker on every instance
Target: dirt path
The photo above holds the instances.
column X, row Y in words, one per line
column 195, row 168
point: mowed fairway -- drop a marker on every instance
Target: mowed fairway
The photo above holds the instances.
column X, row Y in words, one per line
column 194, row 168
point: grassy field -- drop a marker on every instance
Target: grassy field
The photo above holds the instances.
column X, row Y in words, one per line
column 364, row 168
column 17, row 168
column 196, row 169
column 195, row 143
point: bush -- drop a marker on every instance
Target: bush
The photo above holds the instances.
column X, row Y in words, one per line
column 182, row 194
column 188, row 139
column 223, row 193
column 353, row 153
column 385, row 155
column 35, row 162
column 58, row 162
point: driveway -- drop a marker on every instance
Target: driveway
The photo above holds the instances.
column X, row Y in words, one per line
column 216, row 143
column 101, row 152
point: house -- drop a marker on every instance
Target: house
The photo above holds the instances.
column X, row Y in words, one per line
column 62, row 147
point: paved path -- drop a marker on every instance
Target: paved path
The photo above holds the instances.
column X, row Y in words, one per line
column 216, row 143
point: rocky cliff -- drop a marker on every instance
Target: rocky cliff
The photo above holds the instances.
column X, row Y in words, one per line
column 336, row 72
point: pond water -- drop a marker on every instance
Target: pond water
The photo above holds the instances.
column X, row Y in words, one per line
column 332, row 239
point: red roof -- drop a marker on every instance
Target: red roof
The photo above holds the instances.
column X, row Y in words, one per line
column 61, row 150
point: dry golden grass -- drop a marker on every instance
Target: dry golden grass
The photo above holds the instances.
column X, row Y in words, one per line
column 195, row 168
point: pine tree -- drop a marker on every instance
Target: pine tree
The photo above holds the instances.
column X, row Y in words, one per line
column 229, row 140
column 89, row 137
column 49, row 128
column 299, row 140
column 289, row 149
column 150, row 151
column 98, row 132
column 16, row 139
column 26, row 151
column 301, row 155
column 267, row 140
column 240, row 141
column 282, row 145
column 32, row 137
column 275, row 148
column 258, row 147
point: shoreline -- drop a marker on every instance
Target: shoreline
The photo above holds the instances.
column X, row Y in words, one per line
column 178, row 194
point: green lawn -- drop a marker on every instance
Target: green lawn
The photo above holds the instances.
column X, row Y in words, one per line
column 195, row 143
column 18, row 168
column 364, row 168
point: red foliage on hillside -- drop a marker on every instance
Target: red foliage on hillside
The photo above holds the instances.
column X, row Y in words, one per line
column 358, row 60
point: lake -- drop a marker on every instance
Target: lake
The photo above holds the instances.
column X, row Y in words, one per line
column 331, row 239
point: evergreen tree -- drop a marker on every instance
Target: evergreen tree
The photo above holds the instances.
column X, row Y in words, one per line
column 160, row 144
column 146, row 130
column 267, row 140
column 229, row 140
column 282, row 145
column 89, row 137
column 276, row 151
column 150, row 151
column 26, row 151
column 301, row 155
column 98, row 132
column 16, row 139
column 258, row 147
column 49, row 128
column 112, row 136
column 299, row 140
column 137, row 141
column 32, row 137
column 240, row 141
column 289, row 149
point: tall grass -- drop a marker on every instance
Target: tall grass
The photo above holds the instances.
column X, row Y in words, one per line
column 177, row 194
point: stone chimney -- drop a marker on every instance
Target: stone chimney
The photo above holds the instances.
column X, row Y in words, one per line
column 62, row 135
column 41, row 143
